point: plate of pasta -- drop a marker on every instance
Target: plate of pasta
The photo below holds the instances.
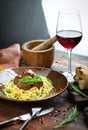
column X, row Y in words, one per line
column 31, row 84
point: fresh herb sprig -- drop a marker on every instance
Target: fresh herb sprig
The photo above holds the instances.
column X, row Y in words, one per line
column 31, row 80
column 73, row 87
column 69, row 118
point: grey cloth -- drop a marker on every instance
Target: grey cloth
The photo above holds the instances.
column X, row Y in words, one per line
column 21, row 21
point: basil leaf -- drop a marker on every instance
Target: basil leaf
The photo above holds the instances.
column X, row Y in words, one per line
column 27, row 79
column 37, row 78
column 30, row 80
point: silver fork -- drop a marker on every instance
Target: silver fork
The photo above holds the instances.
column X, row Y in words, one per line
column 34, row 112
column 23, row 117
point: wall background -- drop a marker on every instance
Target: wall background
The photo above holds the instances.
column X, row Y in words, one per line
column 21, row 21
column 51, row 8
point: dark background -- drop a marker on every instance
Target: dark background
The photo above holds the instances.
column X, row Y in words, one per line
column 21, row 21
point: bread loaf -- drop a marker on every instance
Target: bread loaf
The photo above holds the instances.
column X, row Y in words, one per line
column 81, row 77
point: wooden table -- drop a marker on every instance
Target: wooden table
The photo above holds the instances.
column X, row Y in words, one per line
column 61, row 61
column 62, row 103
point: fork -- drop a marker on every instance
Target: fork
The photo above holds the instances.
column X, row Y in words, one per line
column 23, row 117
column 34, row 112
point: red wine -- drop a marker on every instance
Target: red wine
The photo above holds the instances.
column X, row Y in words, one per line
column 69, row 38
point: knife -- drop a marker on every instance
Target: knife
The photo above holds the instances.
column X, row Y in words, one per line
column 21, row 118
column 43, row 112
column 25, row 117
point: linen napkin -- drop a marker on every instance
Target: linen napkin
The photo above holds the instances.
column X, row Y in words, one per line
column 10, row 57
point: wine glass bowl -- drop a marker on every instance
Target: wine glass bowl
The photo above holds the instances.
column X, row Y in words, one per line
column 69, row 38
column 69, row 33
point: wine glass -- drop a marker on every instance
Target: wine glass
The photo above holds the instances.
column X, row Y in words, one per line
column 69, row 34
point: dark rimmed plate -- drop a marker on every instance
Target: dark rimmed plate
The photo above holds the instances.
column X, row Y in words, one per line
column 59, row 80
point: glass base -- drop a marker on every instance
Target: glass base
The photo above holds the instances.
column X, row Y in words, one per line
column 69, row 76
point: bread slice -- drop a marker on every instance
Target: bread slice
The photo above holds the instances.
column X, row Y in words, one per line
column 81, row 77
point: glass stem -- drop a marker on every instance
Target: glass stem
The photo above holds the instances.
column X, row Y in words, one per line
column 69, row 61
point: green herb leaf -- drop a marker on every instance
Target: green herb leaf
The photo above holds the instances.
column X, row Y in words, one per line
column 37, row 78
column 3, row 91
column 69, row 118
column 8, row 90
column 73, row 87
column 30, row 80
column 27, row 79
column 50, row 81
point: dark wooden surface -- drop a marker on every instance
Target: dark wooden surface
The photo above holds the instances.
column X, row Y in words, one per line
column 62, row 103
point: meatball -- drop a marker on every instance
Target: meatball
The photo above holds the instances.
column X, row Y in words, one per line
column 26, row 86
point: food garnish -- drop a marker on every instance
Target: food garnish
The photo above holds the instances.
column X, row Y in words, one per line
column 77, row 90
column 69, row 118
column 30, row 80
column 28, row 86
column 27, row 80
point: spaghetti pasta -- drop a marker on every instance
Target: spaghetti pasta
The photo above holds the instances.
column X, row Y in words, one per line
column 12, row 91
